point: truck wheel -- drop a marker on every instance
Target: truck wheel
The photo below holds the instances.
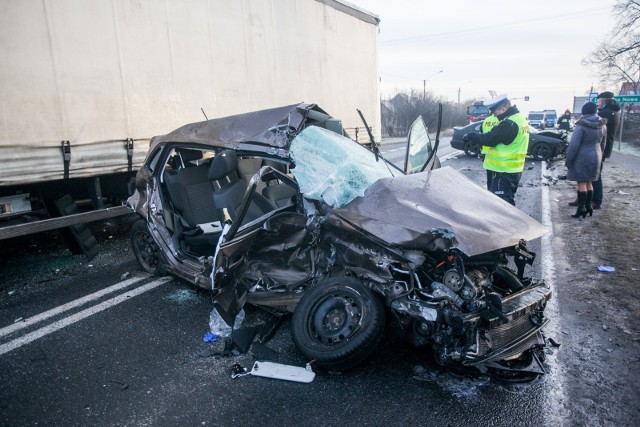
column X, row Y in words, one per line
column 472, row 149
column 338, row 323
column 541, row 151
column 145, row 248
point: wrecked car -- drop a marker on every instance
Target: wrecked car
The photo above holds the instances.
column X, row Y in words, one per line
column 543, row 145
column 280, row 209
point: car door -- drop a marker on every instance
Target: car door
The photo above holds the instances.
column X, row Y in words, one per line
column 420, row 154
column 266, row 249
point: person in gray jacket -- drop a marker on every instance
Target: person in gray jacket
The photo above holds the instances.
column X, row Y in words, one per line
column 584, row 156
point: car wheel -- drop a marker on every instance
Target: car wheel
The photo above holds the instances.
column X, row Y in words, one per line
column 472, row 149
column 338, row 323
column 145, row 248
column 541, row 151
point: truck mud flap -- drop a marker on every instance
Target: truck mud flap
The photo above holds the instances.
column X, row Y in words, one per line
column 78, row 237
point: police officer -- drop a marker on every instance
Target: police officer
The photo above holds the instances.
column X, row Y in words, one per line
column 486, row 127
column 564, row 122
column 508, row 143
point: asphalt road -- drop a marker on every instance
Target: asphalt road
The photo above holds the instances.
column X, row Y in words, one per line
column 79, row 347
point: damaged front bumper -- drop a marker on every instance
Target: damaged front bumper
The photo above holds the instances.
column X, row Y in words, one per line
column 498, row 339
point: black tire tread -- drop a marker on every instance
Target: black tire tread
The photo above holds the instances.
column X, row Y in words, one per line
column 356, row 349
column 141, row 226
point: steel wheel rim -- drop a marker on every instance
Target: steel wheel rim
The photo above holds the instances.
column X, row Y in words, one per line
column 146, row 249
column 335, row 318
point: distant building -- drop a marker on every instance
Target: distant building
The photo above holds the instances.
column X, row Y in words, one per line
column 630, row 88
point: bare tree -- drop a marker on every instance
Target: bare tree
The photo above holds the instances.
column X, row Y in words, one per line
column 404, row 108
column 617, row 59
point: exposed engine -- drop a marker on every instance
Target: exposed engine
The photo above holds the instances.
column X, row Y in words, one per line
column 473, row 311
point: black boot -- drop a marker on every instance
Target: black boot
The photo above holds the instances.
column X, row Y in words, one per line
column 587, row 202
column 582, row 211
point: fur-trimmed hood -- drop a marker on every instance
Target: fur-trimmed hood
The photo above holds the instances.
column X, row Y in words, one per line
column 592, row 121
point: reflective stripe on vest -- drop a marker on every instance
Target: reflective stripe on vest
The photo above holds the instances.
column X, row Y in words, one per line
column 487, row 125
column 510, row 158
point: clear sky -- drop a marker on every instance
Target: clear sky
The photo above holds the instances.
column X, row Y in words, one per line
column 522, row 48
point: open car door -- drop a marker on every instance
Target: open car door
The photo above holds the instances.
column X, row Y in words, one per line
column 270, row 251
column 420, row 155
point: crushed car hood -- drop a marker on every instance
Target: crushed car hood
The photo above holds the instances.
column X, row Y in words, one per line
column 420, row 212
column 268, row 128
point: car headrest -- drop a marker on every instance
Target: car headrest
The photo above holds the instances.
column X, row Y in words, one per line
column 189, row 155
column 223, row 164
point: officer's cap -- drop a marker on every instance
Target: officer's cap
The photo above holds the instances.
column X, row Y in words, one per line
column 496, row 102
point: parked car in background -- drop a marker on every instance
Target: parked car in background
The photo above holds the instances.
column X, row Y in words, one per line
column 550, row 118
column 536, row 119
column 543, row 145
column 273, row 209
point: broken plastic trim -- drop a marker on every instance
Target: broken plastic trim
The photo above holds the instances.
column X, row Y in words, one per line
column 276, row 371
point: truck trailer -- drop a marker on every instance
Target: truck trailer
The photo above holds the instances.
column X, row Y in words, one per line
column 86, row 84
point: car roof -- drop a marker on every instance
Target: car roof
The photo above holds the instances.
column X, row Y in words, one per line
column 263, row 130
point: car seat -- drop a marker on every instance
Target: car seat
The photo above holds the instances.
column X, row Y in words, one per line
column 190, row 192
column 229, row 188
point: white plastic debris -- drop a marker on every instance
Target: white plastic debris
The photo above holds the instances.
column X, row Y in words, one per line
column 277, row 371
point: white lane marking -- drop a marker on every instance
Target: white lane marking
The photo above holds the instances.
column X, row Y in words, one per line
column 556, row 414
column 63, row 323
column 66, row 307
column 450, row 155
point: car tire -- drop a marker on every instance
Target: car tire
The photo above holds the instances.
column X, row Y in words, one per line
column 472, row 149
column 542, row 151
column 338, row 323
column 145, row 249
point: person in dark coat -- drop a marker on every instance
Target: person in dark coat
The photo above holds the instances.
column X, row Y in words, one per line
column 584, row 155
column 608, row 108
column 564, row 121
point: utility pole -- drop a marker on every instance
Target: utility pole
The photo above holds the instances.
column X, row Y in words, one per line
column 424, row 83
column 458, row 97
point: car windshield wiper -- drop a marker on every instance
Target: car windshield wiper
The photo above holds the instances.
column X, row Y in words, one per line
column 374, row 147
column 435, row 148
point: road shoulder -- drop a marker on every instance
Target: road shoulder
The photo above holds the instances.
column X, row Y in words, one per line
column 600, row 326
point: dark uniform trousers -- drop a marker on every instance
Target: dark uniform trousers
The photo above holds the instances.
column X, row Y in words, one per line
column 504, row 185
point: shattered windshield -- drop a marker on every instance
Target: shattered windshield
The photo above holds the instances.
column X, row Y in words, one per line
column 333, row 168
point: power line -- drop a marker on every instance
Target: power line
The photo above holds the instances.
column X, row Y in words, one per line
column 478, row 30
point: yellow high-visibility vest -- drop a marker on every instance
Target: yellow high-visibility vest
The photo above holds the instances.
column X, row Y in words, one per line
column 487, row 125
column 510, row 158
